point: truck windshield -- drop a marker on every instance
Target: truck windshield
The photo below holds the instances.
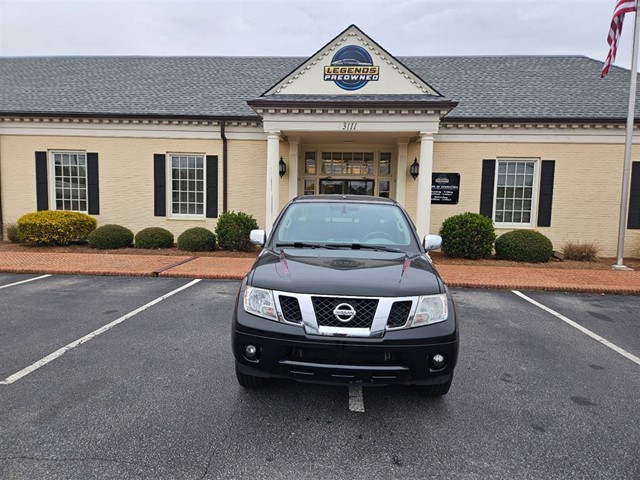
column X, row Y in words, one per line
column 345, row 223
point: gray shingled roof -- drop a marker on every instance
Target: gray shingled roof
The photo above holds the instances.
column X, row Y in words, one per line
column 512, row 87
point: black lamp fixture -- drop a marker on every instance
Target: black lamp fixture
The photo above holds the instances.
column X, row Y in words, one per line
column 282, row 167
column 415, row 168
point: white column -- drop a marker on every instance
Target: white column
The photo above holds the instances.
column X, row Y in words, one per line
column 273, row 180
column 423, row 202
column 401, row 171
column 292, row 168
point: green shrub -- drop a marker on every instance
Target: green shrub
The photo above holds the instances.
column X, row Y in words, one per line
column 154, row 237
column 467, row 235
column 582, row 252
column 13, row 233
column 524, row 246
column 55, row 227
column 233, row 231
column 110, row 236
column 197, row 239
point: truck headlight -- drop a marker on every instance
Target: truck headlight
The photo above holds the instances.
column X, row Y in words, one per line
column 431, row 309
column 259, row 301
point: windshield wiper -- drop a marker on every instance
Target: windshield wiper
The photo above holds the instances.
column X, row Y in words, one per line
column 364, row 246
column 304, row 245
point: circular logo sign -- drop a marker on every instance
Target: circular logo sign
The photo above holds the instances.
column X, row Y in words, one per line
column 344, row 312
column 351, row 68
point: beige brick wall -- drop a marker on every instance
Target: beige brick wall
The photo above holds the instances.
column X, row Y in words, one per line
column 585, row 205
column 125, row 172
column 586, row 193
column 247, row 177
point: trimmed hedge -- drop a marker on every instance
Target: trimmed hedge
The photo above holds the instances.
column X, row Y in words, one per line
column 197, row 239
column 55, row 227
column 467, row 235
column 524, row 246
column 110, row 236
column 154, row 237
column 233, row 231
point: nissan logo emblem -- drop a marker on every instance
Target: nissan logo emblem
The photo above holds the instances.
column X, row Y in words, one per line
column 344, row 313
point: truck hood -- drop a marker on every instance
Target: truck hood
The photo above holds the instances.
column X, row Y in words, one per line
column 345, row 273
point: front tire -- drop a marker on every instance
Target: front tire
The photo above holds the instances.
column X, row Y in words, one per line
column 249, row 381
column 438, row 390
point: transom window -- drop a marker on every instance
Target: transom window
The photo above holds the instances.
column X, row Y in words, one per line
column 187, row 184
column 514, row 198
column 352, row 173
column 70, row 180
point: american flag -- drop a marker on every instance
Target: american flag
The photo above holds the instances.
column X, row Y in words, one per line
column 622, row 7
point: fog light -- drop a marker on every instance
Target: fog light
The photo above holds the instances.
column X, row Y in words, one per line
column 250, row 351
column 438, row 360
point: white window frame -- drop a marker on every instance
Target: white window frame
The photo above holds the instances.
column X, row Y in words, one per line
column 169, row 187
column 535, row 193
column 53, row 200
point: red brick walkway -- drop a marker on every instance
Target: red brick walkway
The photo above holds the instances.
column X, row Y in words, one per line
column 519, row 278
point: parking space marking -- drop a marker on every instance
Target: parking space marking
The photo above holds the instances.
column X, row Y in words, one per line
column 58, row 353
column 356, row 403
column 25, row 281
column 584, row 330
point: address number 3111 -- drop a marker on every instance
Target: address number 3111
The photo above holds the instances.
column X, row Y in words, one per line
column 349, row 125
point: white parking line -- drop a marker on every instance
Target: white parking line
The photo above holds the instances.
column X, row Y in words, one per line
column 356, row 403
column 25, row 281
column 584, row 330
column 58, row 353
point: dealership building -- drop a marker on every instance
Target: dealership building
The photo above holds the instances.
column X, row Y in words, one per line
column 533, row 142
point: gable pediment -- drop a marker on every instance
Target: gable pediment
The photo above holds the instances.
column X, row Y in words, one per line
column 351, row 64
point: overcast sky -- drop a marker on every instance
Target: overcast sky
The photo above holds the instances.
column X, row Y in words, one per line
column 301, row 27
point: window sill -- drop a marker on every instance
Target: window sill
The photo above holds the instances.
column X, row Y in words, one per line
column 514, row 225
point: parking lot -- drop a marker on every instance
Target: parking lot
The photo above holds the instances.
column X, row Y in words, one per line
column 106, row 377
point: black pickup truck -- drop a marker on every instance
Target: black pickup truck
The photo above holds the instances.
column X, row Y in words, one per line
column 344, row 292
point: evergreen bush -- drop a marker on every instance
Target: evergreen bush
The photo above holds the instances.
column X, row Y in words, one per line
column 13, row 233
column 467, row 235
column 232, row 231
column 524, row 246
column 154, row 237
column 55, row 227
column 197, row 239
column 110, row 237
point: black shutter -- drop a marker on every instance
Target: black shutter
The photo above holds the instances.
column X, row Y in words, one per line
column 42, row 187
column 159, row 185
column 546, row 193
column 633, row 220
column 486, row 187
column 212, row 186
column 93, row 185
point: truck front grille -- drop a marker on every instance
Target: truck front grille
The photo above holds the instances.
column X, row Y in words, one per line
column 399, row 314
column 344, row 356
column 365, row 311
column 290, row 309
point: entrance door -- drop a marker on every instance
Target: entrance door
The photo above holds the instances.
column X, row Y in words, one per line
column 346, row 187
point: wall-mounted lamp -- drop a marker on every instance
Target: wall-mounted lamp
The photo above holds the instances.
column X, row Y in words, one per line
column 282, row 167
column 415, row 169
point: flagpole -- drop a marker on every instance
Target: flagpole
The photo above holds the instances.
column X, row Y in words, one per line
column 624, row 200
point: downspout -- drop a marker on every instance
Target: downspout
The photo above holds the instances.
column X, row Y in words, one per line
column 225, row 169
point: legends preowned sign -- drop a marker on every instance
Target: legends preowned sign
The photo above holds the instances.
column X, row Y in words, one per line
column 351, row 68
